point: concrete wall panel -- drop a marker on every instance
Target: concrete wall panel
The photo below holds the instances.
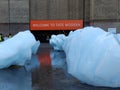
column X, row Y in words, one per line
column 75, row 9
column 38, row 9
column 118, row 12
column 17, row 27
column 19, row 11
column 4, row 29
column 86, row 11
column 104, row 9
column 58, row 9
column 13, row 28
column 4, row 14
column 105, row 25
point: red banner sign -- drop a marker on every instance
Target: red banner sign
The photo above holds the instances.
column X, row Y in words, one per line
column 55, row 24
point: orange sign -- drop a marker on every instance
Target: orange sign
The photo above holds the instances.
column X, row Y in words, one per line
column 55, row 24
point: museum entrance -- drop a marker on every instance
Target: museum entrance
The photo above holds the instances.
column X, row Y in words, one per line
column 52, row 10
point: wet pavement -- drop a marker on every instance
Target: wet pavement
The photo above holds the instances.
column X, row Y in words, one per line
column 46, row 71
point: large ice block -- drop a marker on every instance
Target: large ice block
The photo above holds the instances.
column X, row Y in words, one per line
column 92, row 56
column 56, row 41
column 18, row 49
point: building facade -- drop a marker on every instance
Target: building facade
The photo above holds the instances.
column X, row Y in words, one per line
column 16, row 14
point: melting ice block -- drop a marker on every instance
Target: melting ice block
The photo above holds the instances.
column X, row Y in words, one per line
column 18, row 49
column 93, row 56
column 56, row 41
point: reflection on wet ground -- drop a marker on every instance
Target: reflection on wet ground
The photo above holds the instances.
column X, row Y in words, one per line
column 46, row 71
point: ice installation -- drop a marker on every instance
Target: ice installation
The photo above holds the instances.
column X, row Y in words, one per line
column 92, row 56
column 18, row 49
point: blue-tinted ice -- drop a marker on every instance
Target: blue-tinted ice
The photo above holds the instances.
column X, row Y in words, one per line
column 18, row 49
column 93, row 56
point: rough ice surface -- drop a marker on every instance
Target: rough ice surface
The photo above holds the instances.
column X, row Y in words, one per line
column 18, row 49
column 92, row 56
column 56, row 41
